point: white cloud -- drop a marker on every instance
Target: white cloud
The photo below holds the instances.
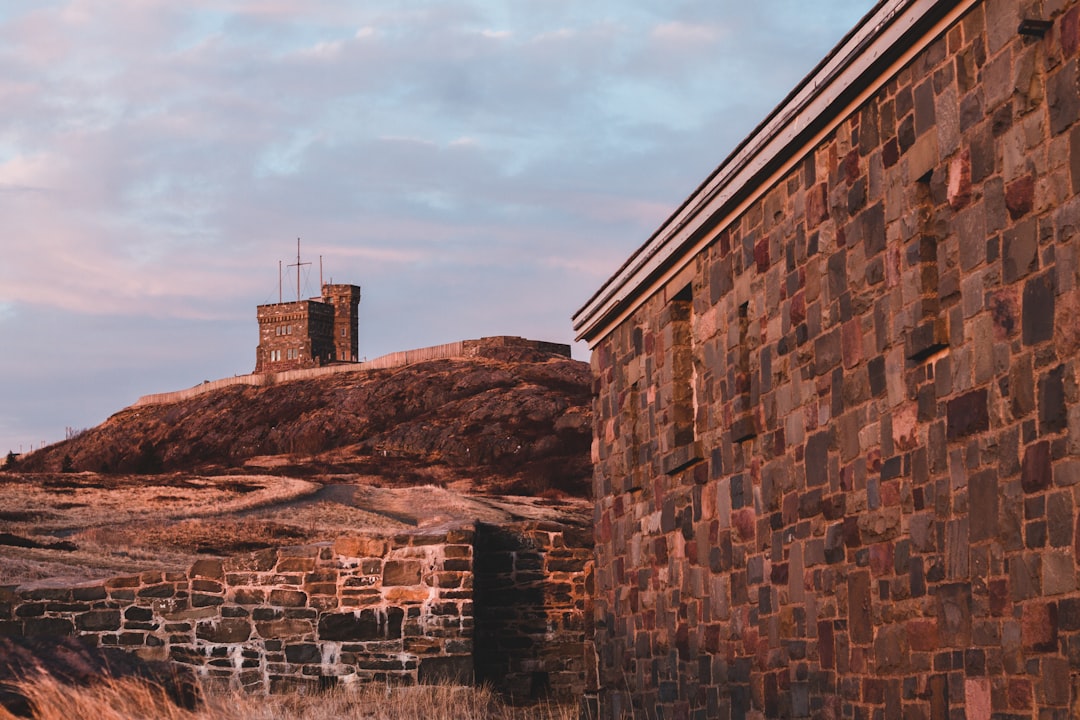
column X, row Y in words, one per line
column 677, row 32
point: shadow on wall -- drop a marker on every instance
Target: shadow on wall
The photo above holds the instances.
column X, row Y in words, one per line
column 530, row 584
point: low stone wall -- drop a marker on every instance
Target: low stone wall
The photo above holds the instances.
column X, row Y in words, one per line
column 504, row 605
column 361, row 609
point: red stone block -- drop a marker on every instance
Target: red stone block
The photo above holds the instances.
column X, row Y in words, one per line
column 851, row 167
column 1019, row 694
column 881, row 559
column 1020, row 196
column 798, row 308
column 1039, row 627
column 999, row 597
column 890, row 493
column 761, row 254
column 852, row 342
column 890, row 153
column 1070, row 32
column 922, row 635
column 826, row 645
column 1005, row 311
column 744, row 520
column 1036, row 471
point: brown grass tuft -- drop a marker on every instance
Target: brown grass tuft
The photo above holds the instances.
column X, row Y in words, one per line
column 138, row 700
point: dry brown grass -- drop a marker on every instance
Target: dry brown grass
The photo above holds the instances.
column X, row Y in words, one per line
column 135, row 700
column 124, row 524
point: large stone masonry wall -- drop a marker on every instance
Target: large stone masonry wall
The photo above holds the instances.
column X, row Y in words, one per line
column 838, row 459
column 401, row 610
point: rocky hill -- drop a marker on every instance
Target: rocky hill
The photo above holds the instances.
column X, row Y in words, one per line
column 511, row 420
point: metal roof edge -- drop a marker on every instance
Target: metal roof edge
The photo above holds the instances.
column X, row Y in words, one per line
column 883, row 33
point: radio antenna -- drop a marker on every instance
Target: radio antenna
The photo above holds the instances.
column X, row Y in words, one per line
column 298, row 265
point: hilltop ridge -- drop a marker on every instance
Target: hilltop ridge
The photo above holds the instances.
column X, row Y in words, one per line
column 512, row 417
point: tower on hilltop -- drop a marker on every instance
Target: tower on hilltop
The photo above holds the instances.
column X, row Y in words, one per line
column 308, row 333
column 345, row 300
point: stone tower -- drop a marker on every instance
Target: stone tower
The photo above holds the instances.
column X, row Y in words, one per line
column 309, row 333
column 345, row 300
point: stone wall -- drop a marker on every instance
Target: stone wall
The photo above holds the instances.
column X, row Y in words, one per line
column 398, row 609
column 387, row 609
column 532, row 585
column 838, row 457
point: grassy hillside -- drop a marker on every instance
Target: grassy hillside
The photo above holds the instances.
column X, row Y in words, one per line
column 518, row 424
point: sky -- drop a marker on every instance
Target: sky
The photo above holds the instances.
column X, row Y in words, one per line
column 479, row 167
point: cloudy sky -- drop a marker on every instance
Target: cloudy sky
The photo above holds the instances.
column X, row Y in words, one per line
column 480, row 167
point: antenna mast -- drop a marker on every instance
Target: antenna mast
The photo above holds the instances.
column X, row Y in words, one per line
column 298, row 266
column 279, row 282
column 320, row 275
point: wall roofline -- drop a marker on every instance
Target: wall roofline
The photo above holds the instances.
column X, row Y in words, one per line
column 885, row 39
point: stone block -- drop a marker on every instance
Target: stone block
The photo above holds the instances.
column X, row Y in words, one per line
column 288, row 598
column 161, row 590
column 859, row 599
column 954, row 614
column 362, row 626
column 922, row 157
column 47, row 627
column 1058, row 572
column 89, row 592
column 360, row 547
column 1038, row 627
column 208, row 568
column 249, row 596
column 1054, row 677
column 1036, row 473
column 1063, row 98
column 1038, row 309
column 303, row 654
column 401, row 572
column 1020, row 251
column 285, row 628
column 1053, row 412
column 98, row 620
column 207, row 586
column 223, row 630
column 828, row 351
column 967, row 414
column 1020, row 196
column 1067, row 473
column 922, row 634
column 978, row 700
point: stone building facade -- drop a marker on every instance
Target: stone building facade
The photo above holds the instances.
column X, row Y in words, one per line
column 309, row 333
column 837, row 451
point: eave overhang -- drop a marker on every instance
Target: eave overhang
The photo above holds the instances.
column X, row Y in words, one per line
column 885, row 40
